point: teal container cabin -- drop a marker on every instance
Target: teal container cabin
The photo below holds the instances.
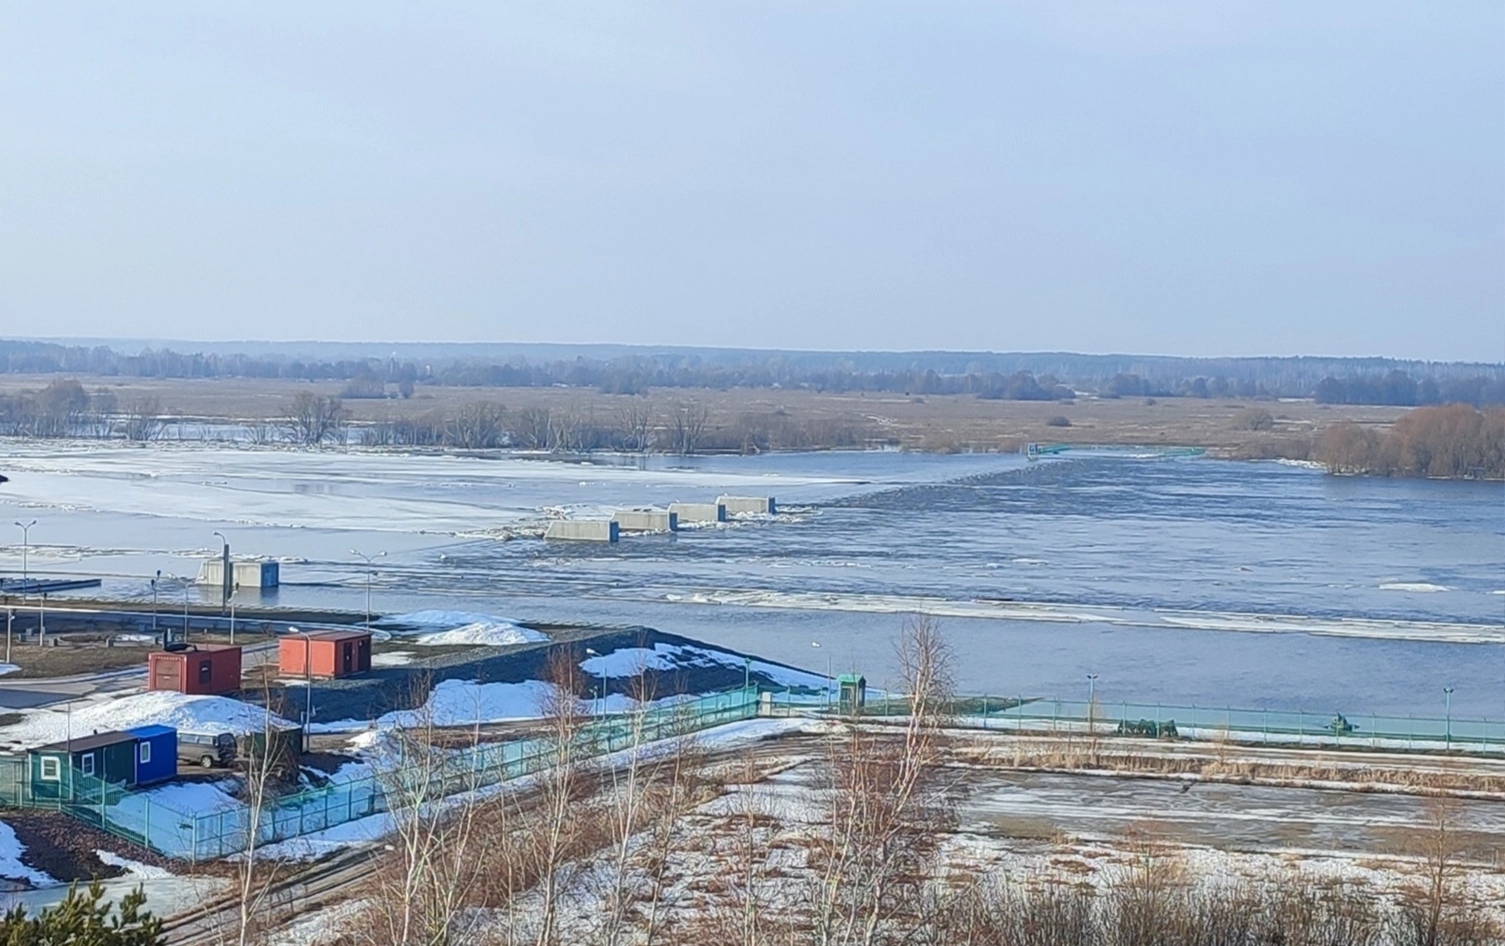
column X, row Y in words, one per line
column 60, row 770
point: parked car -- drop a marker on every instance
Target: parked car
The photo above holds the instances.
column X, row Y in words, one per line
column 206, row 749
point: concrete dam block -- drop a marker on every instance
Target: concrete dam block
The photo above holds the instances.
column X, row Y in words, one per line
column 757, row 505
column 583, row 530
column 698, row 512
column 646, row 520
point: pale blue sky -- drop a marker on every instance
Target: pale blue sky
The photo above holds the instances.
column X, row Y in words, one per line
column 1190, row 178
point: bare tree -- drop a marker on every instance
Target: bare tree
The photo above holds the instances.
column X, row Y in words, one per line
column 316, row 418
column 886, row 808
column 429, row 783
column 687, row 427
column 533, row 428
column 637, row 421
column 478, row 426
column 559, row 783
column 142, row 421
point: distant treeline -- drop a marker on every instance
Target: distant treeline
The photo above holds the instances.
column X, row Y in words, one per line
column 1455, row 441
column 1029, row 377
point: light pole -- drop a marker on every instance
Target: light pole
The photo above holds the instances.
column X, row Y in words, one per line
column 308, row 685
column 155, row 581
column 370, row 561
column 601, row 710
column 232, row 614
column 1091, row 702
column 816, row 645
column 224, row 572
column 1447, row 694
column 10, row 618
column 25, row 549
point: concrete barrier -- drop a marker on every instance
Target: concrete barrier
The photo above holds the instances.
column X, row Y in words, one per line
column 758, row 505
column 582, row 530
column 698, row 512
column 646, row 520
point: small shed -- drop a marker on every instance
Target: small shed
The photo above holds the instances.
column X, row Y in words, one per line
column 156, row 753
column 203, row 670
column 101, row 757
column 326, row 654
column 852, row 693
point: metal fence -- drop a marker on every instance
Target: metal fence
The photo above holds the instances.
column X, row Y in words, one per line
column 1203, row 722
column 148, row 818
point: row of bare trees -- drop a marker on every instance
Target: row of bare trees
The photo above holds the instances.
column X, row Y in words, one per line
column 1453, row 441
column 638, row 426
column 64, row 409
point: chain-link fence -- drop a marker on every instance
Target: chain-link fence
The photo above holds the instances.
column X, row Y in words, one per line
column 170, row 819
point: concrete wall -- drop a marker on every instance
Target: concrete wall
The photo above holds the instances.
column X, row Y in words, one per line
column 698, row 512
column 646, row 520
column 244, row 574
column 583, row 530
column 763, row 505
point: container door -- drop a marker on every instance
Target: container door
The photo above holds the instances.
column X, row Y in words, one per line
column 347, row 658
column 363, row 651
column 169, row 675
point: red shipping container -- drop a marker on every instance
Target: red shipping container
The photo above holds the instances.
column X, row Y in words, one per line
column 206, row 670
column 324, row 655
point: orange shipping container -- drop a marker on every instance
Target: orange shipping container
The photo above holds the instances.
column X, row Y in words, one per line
column 200, row 670
column 324, row 655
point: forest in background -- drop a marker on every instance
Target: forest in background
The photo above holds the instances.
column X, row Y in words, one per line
column 1052, row 376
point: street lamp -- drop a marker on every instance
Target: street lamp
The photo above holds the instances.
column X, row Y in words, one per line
column 224, row 573
column 370, row 573
column 25, row 548
column 308, row 686
column 1447, row 693
column 816, row 645
column 1092, row 704
column 590, row 651
column 155, row 582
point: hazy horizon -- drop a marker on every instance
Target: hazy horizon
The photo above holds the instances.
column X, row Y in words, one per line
column 1210, row 180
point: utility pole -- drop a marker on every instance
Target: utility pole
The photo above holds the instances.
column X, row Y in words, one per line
column 224, row 574
column 25, row 548
column 10, row 618
column 1447, row 693
column 155, row 581
column 370, row 561
column 42, row 622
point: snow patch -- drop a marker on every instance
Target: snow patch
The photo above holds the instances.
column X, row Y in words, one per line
column 10, row 860
column 8, row 668
column 133, row 868
column 181, row 711
column 440, row 627
column 1417, row 587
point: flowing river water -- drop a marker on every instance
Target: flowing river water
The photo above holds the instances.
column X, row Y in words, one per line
column 1172, row 579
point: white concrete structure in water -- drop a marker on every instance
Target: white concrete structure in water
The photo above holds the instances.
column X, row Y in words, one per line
column 646, row 520
column 756, row 505
column 583, row 530
column 698, row 513
column 242, row 574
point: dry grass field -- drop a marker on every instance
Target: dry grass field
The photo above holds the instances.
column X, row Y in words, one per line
column 932, row 423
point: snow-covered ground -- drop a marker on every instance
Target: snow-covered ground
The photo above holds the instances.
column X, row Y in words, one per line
column 433, row 628
column 106, row 713
column 11, row 867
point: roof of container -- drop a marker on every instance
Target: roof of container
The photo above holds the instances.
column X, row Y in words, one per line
column 199, row 649
column 148, row 732
column 330, row 635
column 85, row 743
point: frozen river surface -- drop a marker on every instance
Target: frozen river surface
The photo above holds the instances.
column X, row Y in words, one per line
column 1177, row 580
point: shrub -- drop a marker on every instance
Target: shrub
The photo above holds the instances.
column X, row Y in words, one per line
column 1059, row 420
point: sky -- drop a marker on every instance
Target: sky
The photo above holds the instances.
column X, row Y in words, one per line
column 1197, row 178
